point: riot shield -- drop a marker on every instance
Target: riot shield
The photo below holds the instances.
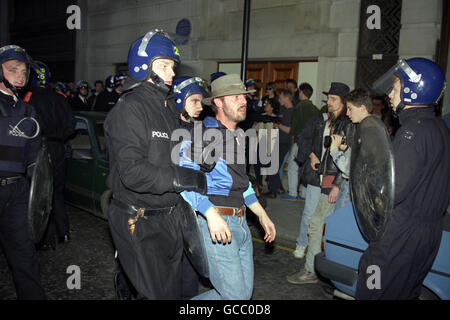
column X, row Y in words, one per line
column 372, row 177
column 41, row 193
column 194, row 245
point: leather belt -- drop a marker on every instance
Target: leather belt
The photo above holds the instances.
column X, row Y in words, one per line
column 133, row 210
column 9, row 180
column 227, row 211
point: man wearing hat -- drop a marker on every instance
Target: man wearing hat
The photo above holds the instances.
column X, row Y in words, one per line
column 323, row 175
column 222, row 218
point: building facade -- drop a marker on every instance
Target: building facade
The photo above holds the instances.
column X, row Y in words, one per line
column 320, row 35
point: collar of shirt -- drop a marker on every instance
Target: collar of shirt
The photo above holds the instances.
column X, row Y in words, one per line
column 83, row 99
column 418, row 112
column 13, row 96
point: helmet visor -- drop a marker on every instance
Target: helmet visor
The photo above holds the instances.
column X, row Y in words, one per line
column 385, row 83
column 187, row 82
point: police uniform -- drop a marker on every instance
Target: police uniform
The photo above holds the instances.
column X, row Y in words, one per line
column 17, row 153
column 57, row 125
column 106, row 100
column 138, row 131
column 407, row 251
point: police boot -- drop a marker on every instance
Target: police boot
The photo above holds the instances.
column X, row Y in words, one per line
column 121, row 287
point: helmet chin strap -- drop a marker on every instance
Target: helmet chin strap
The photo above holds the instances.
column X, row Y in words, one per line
column 157, row 80
column 399, row 108
column 14, row 89
column 187, row 116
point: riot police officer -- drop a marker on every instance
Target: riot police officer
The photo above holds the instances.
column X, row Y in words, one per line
column 19, row 144
column 57, row 125
column 61, row 89
column 79, row 102
column 406, row 251
column 108, row 97
column 145, row 182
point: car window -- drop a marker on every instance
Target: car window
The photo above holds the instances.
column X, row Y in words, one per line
column 81, row 139
column 100, row 134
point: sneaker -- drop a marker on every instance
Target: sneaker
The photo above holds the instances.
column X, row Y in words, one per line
column 302, row 277
column 299, row 252
column 289, row 198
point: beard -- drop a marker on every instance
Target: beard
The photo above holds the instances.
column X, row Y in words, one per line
column 235, row 115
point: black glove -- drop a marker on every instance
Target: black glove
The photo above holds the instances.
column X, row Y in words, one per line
column 203, row 153
column 185, row 179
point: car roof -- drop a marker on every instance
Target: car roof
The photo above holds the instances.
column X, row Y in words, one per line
column 91, row 115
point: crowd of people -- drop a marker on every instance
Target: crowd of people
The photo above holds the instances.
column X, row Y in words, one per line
column 82, row 97
column 154, row 197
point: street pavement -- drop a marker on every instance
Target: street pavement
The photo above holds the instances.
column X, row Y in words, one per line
column 91, row 252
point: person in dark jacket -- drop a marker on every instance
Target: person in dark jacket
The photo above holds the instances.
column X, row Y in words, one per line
column 57, row 124
column 20, row 141
column 79, row 102
column 330, row 176
column 145, row 182
column 405, row 253
column 98, row 88
column 109, row 97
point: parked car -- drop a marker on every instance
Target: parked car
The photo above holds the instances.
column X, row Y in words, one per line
column 344, row 245
column 87, row 165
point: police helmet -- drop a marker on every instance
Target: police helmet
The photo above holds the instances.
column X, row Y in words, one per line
column 13, row 52
column 61, row 87
column 83, row 84
column 40, row 74
column 422, row 82
column 156, row 44
column 119, row 77
column 110, row 82
column 216, row 75
column 183, row 87
column 250, row 83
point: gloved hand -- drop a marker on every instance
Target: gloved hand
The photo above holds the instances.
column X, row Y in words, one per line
column 204, row 152
column 185, row 179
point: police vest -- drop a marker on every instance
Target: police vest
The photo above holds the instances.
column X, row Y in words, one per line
column 15, row 126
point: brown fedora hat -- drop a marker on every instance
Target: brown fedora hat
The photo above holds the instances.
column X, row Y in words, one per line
column 226, row 85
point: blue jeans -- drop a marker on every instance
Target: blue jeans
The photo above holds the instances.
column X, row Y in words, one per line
column 280, row 171
column 230, row 265
column 343, row 196
column 311, row 201
column 293, row 171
